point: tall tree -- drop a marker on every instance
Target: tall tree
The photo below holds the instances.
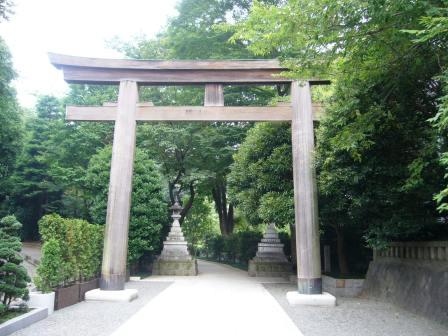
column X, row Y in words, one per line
column 11, row 128
column 34, row 190
column 149, row 211
column 197, row 156
column 376, row 152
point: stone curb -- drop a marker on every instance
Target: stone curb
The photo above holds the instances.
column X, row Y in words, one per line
column 23, row 321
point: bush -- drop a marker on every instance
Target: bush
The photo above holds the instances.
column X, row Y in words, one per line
column 237, row 247
column 13, row 276
column 72, row 251
column 248, row 244
column 53, row 271
column 240, row 247
column 149, row 211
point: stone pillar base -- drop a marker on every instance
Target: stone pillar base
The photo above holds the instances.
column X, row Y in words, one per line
column 274, row 269
column 175, row 267
column 125, row 295
column 296, row 299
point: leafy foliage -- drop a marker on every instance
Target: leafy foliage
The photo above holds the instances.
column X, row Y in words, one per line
column 376, row 153
column 261, row 176
column 13, row 276
column 11, row 130
column 53, row 270
column 200, row 224
column 435, row 34
column 72, row 251
column 149, row 213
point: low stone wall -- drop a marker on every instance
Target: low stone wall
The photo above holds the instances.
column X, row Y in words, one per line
column 342, row 287
column 413, row 275
column 23, row 321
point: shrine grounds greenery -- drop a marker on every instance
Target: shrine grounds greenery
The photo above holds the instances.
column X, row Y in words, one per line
column 381, row 149
column 71, row 251
column 13, row 276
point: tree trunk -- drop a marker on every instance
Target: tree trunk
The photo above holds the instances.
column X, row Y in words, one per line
column 342, row 257
column 293, row 245
column 225, row 211
column 189, row 204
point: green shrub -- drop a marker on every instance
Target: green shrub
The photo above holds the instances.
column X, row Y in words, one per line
column 72, row 251
column 248, row 245
column 215, row 245
column 232, row 247
column 149, row 211
column 13, row 276
column 53, row 271
column 84, row 247
column 52, row 226
column 237, row 247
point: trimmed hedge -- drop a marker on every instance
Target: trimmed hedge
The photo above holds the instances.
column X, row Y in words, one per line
column 239, row 247
column 71, row 251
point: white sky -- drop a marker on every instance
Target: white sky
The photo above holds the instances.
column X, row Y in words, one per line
column 73, row 27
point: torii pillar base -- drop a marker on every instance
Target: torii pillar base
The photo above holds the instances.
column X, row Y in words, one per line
column 325, row 299
column 125, row 295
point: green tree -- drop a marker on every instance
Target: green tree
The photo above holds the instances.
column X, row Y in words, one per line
column 197, row 156
column 376, row 152
column 11, row 132
column 261, row 177
column 13, row 276
column 34, row 191
column 434, row 34
column 149, row 211
column 200, row 224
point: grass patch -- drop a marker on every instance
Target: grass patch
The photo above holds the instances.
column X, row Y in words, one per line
column 10, row 314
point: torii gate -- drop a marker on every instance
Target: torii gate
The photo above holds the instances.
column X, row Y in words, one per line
column 129, row 74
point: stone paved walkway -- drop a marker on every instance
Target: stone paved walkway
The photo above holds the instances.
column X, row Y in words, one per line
column 221, row 300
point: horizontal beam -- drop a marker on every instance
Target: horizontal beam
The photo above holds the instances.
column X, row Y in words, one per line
column 60, row 61
column 189, row 113
column 78, row 75
column 83, row 70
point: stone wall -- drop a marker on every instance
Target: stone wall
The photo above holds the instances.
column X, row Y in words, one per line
column 413, row 276
column 342, row 287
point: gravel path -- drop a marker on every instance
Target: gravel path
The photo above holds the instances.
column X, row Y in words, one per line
column 94, row 318
column 355, row 317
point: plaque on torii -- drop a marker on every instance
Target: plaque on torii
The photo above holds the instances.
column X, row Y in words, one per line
column 214, row 75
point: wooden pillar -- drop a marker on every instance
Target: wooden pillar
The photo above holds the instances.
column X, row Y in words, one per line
column 309, row 278
column 214, row 95
column 113, row 271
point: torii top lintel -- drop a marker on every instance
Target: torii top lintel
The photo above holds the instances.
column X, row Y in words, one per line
column 84, row 70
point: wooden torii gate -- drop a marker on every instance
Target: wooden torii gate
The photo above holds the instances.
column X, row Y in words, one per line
column 129, row 74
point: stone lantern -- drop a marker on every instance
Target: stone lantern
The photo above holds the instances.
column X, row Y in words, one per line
column 175, row 258
column 270, row 260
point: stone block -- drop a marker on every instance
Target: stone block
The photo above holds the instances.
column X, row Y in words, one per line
column 175, row 267
column 258, row 268
column 23, row 321
column 296, row 299
column 340, row 283
column 125, row 295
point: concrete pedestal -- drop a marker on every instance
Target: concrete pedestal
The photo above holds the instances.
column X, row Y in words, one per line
column 125, row 295
column 270, row 260
column 175, row 267
column 296, row 299
column 175, row 258
column 275, row 269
